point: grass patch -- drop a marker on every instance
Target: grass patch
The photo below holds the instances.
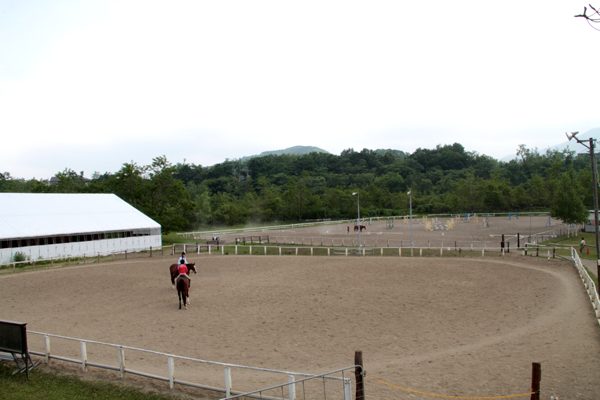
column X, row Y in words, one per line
column 590, row 238
column 43, row 385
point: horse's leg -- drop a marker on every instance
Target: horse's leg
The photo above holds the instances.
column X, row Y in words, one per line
column 185, row 302
column 179, row 295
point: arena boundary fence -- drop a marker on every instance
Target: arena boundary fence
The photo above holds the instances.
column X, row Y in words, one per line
column 298, row 388
column 452, row 250
column 588, row 283
column 304, row 248
column 79, row 353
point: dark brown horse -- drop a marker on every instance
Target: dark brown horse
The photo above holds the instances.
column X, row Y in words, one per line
column 174, row 273
column 183, row 291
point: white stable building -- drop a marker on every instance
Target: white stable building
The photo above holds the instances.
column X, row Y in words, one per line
column 56, row 225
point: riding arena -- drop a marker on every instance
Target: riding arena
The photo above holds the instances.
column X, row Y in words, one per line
column 441, row 307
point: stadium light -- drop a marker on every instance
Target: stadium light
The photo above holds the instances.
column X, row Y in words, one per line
column 590, row 145
column 571, row 135
column 357, row 217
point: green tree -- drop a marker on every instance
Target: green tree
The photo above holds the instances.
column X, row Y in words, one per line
column 168, row 201
column 128, row 183
column 567, row 204
column 68, row 181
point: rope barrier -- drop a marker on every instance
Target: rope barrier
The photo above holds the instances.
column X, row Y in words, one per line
column 446, row 396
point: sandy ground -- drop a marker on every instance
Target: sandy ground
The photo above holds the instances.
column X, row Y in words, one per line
column 479, row 232
column 455, row 326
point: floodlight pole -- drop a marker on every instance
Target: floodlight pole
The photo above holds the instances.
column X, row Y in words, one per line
column 595, row 179
column 410, row 217
column 357, row 217
column 590, row 145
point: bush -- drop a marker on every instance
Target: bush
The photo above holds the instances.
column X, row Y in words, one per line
column 19, row 257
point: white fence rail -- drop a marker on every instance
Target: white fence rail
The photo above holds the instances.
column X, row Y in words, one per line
column 588, row 282
column 411, row 251
column 298, row 388
column 192, row 372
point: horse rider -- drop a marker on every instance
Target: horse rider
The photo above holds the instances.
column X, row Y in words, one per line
column 182, row 269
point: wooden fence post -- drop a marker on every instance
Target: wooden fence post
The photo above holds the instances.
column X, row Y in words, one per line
column 536, row 377
column 47, row 348
column 359, row 375
column 83, row 353
column 171, row 371
column 227, row 373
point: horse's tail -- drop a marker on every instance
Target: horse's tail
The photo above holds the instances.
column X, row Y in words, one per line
column 181, row 293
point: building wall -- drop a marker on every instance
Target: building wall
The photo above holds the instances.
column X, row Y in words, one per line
column 83, row 249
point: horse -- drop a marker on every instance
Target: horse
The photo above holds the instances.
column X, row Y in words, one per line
column 183, row 291
column 173, row 270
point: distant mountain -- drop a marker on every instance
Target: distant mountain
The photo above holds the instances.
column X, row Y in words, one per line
column 295, row 150
column 570, row 145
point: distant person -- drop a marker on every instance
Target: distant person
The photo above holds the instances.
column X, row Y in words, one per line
column 582, row 245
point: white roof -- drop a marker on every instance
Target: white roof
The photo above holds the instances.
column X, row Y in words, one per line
column 25, row 215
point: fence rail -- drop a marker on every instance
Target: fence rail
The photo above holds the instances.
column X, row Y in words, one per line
column 411, row 251
column 291, row 388
column 113, row 357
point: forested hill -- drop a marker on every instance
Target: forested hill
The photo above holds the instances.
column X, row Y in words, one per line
column 319, row 185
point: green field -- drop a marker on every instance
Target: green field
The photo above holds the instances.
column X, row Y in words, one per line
column 49, row 386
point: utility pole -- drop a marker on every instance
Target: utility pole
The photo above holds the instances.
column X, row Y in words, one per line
column 595, row 179
column 590, row 145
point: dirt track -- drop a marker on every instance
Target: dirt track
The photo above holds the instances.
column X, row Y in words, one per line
column 451, row 326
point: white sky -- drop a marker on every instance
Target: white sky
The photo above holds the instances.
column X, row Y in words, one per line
column 92, row 85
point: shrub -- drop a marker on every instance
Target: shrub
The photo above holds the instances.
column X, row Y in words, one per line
column 19, row 257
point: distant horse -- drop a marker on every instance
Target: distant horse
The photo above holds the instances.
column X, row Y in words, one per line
column 361, row 227
column 183, row 291
column 173, row 270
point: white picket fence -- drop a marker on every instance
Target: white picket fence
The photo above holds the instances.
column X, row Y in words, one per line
column 286, row 250
column 288, row 391
column 588, row 282
column 120, row 358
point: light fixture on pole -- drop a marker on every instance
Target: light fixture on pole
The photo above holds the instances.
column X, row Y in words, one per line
column 590, row 146
column 410, row 217
column 357, row 226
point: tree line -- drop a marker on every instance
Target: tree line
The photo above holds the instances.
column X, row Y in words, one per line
column 290, row 188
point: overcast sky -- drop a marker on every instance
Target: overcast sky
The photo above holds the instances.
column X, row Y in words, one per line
column 92, row 85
